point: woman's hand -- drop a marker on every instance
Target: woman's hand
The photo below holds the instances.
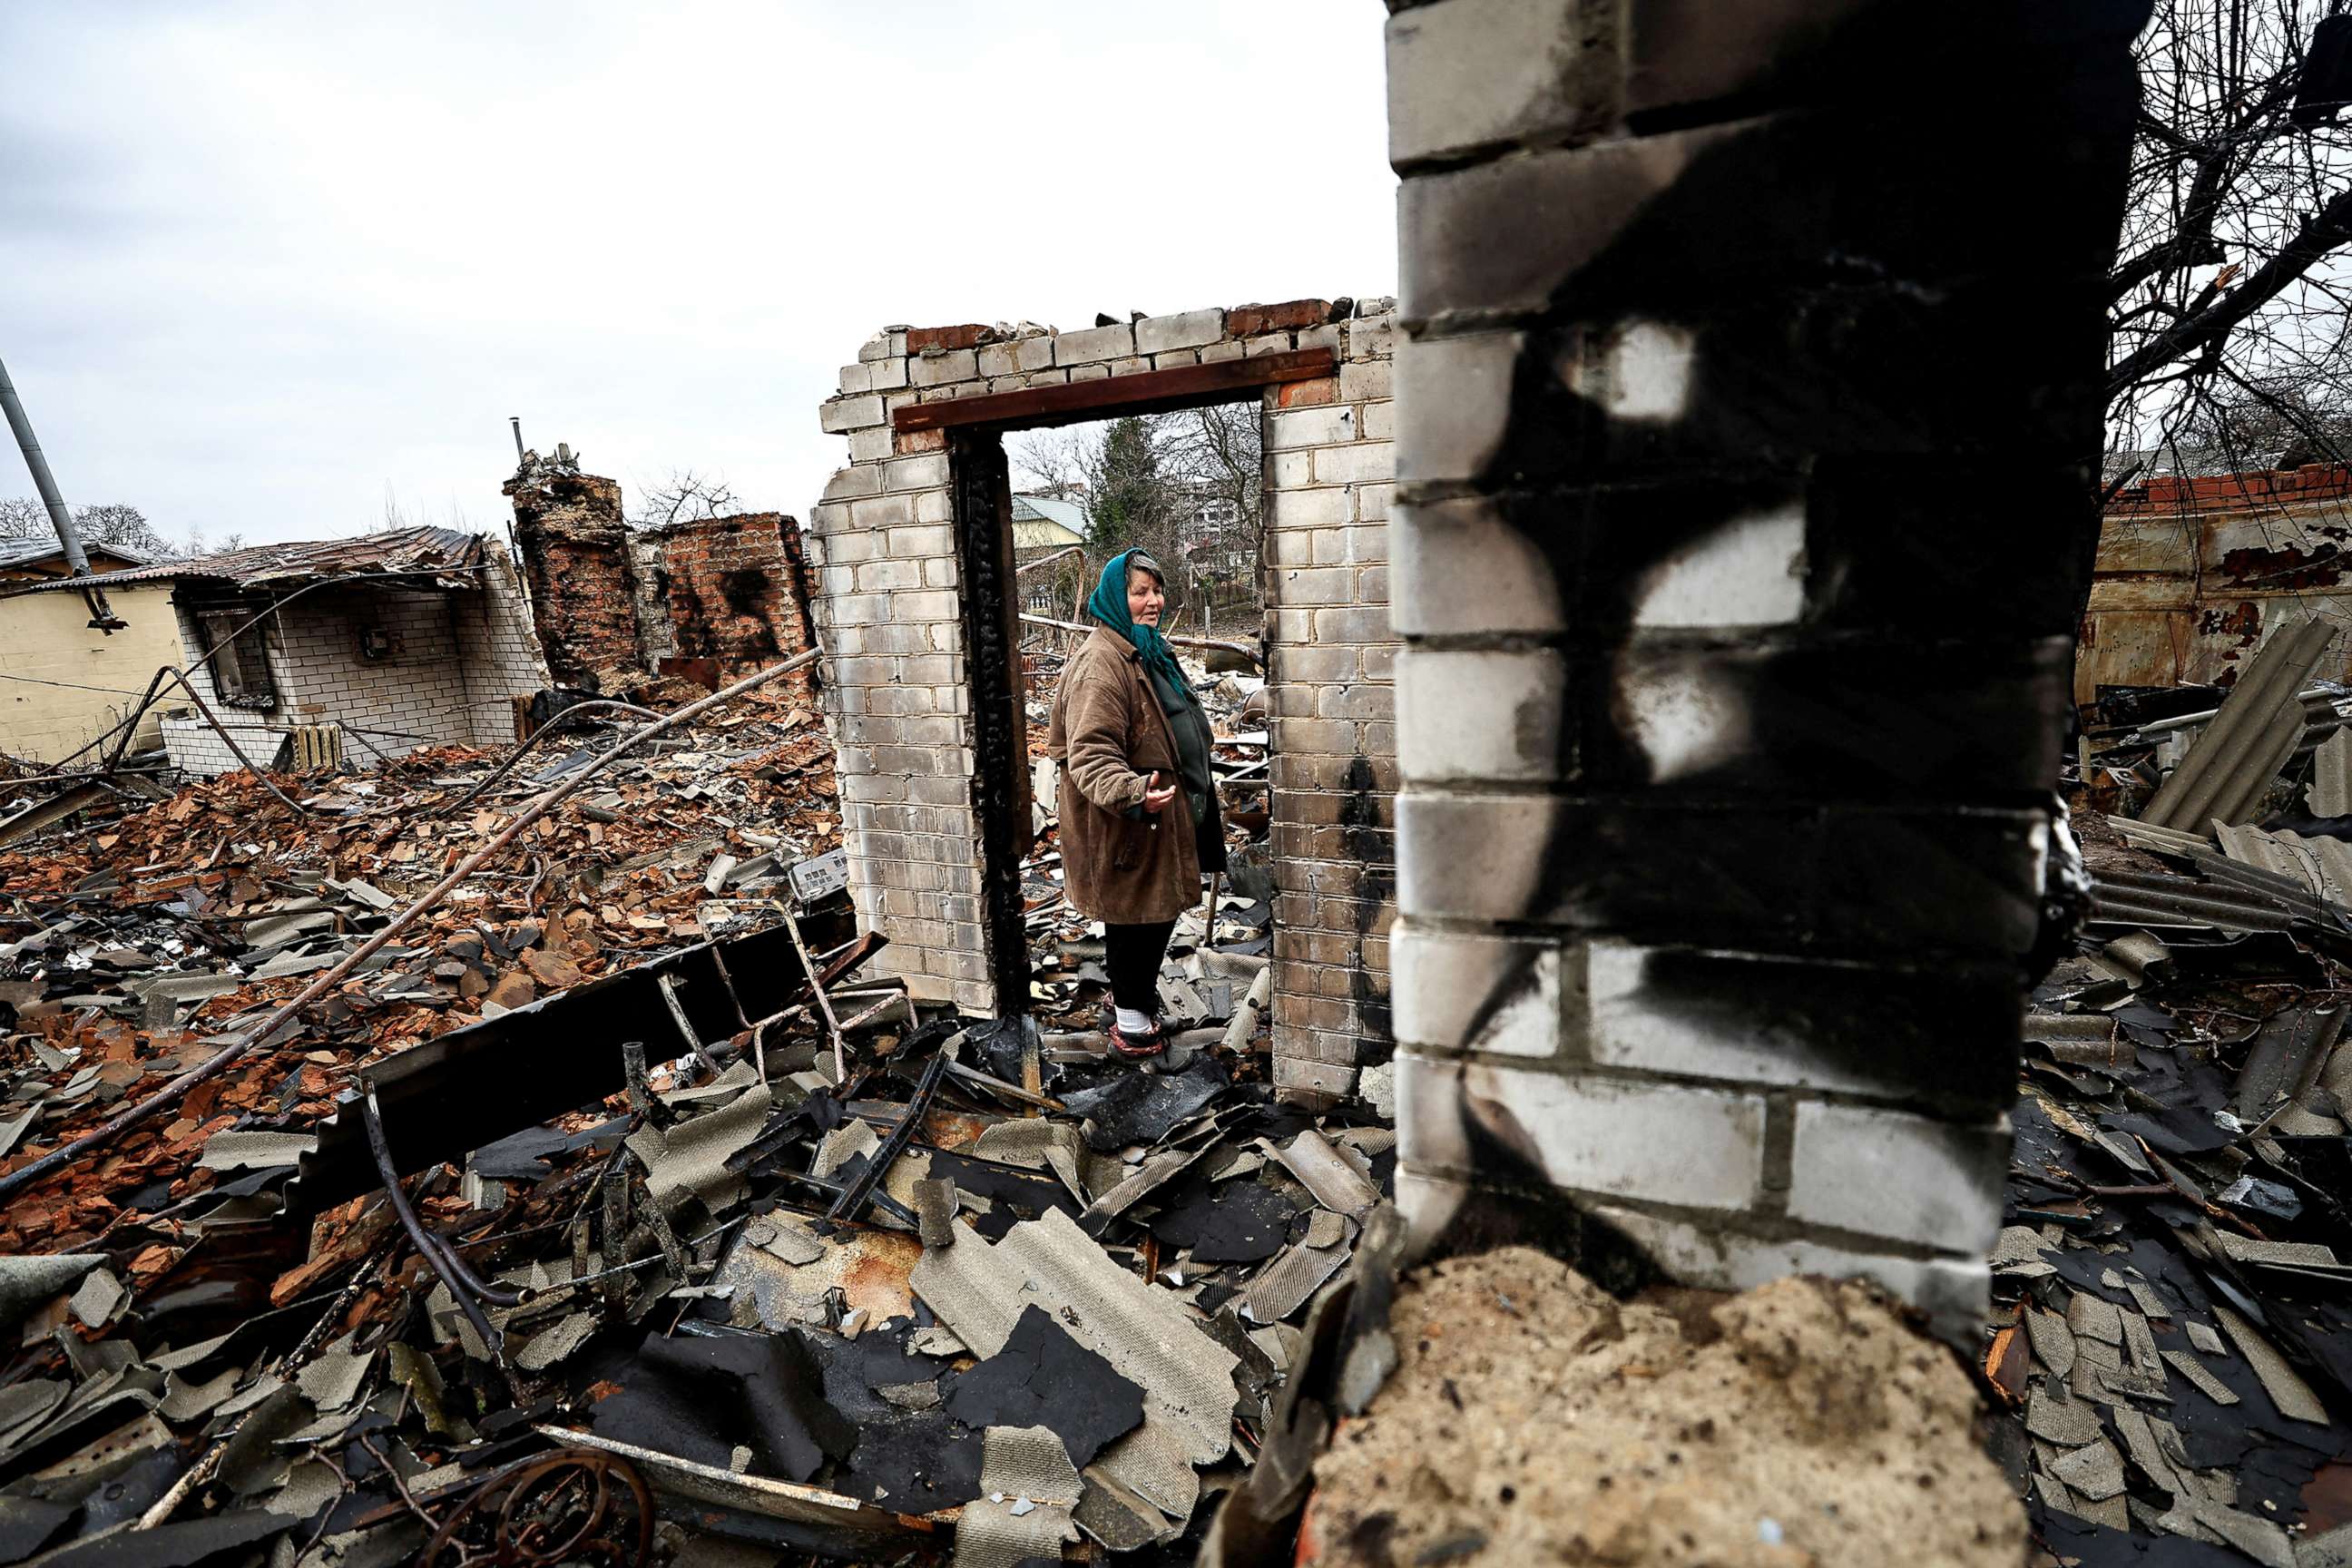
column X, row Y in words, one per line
column 1156, row 795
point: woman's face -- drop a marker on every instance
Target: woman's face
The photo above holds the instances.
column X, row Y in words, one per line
column 1145, row 598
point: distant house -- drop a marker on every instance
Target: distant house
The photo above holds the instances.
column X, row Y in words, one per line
column 1043, row 525
column 31, row 559
column 369, row 647
column 63, row 682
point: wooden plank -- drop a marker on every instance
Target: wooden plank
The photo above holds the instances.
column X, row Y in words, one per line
column 1070, row 401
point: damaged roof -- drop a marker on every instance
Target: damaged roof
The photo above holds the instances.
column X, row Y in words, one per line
column 437, row 557
column 19, row 553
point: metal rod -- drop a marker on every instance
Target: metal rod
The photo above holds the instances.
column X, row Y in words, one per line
column 380, row 1145
column 823, row 1003
column 516, row 420
column 101, row 614
column 218, row 1062
column 669, row 986
column 1049, row 560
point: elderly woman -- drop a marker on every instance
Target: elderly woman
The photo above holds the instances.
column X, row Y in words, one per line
column 1140, row 820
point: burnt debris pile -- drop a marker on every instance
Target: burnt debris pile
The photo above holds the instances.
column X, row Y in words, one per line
column 607, row 1191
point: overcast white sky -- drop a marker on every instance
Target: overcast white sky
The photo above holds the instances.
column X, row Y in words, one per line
column 260, row 262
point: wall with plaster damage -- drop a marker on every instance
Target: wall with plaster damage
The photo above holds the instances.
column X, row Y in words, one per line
column 725, row 595
column 885, row 549
column 2192, row 571
column 1743, row 521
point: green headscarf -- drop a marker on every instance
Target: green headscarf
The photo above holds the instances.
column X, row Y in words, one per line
column 1109, row 607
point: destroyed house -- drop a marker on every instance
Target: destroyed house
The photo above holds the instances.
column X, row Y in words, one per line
column 370, row 647
column 63, row 681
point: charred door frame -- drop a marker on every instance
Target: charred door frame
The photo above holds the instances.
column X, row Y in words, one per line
column 980, row 489
column 979, row 480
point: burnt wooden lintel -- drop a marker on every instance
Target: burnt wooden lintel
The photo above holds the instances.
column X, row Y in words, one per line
column 1069, row 402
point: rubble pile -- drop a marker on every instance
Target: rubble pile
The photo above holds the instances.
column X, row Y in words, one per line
column 598, row 1200
column 133, row 945
column 2173, row 1341
column 2170, row 1343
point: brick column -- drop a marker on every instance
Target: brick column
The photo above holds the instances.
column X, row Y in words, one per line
column 1745, row 429
column 575, row 554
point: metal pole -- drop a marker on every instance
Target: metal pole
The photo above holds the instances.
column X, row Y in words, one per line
column 101, row 614
column 516, row 420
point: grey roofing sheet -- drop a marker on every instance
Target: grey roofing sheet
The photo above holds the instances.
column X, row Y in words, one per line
column 2254, row 731
column 1144, row 1332
column 42, row 547
column 2322, row 865
column 445, row 557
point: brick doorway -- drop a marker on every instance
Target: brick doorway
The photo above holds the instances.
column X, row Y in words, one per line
column 920, row 613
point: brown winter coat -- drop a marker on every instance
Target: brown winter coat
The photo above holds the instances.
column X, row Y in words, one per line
column 1109, row 735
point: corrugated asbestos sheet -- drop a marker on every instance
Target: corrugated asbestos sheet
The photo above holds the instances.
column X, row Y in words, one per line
column 2138, row 897
column 2322, row 865
column 2163, row 840
column 2331, row 777
column 2256, row 730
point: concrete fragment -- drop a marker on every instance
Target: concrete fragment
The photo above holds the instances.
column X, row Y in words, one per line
column 2091, row 1316
column 2052, row 1340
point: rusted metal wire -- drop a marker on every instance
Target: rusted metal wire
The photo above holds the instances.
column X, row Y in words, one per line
column 453, row 1273
column 218, row 1062
column 435, row 1247
column 571, row 1506
column 823, row 1003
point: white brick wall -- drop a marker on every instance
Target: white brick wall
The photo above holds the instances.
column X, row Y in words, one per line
column 457, row 658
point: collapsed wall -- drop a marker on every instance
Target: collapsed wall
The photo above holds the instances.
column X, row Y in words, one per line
column 722, row 596
column 705, row 600
column 1744, row 514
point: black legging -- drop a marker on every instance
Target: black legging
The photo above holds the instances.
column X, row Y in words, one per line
column 1131, row 955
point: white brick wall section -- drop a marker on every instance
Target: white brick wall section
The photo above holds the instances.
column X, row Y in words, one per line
column 1469, row 73
column 1464, row 715
column 1093, row 344
column 1454, row 400
column 1192, row 330
column 1319, row 427
column 851, row 414
column 1882, row 1172
column 1697, row 1148
column 1497, row 995
column 942, row 368
column 1633, row 1026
